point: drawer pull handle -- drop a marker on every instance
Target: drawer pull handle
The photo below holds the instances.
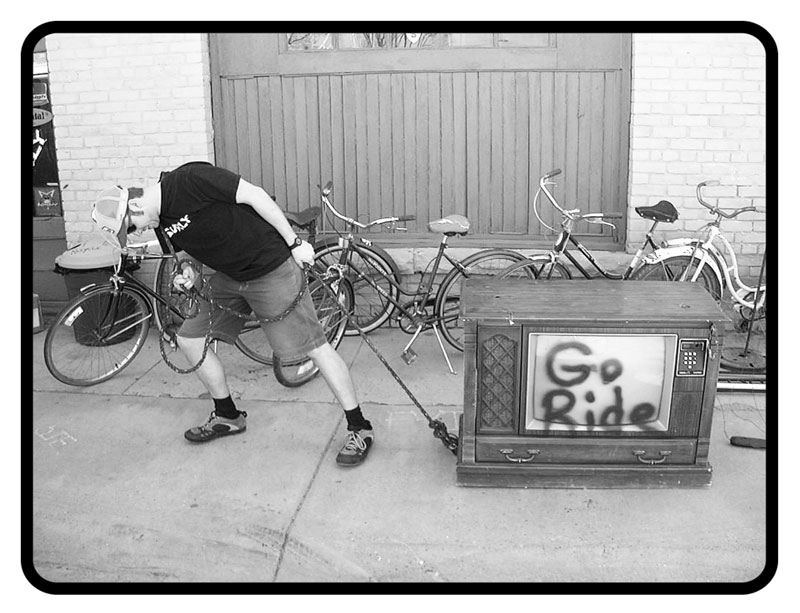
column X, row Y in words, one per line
column 639, row 453
column 507, row 453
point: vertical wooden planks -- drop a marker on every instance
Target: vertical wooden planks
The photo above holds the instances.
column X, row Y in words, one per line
column 339, row 161
column 460, row 151
column 410, row 146
column 397, row 158
column 434, row 168
column 265, row 136
column 310, row 174
column 472, row 140
column 483, row 207
column 539, row 144
column 275, row 86
column 594, row 201
column 324, row 103
column 448, row 171
column 430, row 143
column 347, row 194
column 421, row 151
column 521, row 147
column 384, row 176
column 371, row 207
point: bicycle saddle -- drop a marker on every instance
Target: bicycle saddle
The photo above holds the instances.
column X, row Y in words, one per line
column 303, row 218
column 663, row 211
column 450, row 225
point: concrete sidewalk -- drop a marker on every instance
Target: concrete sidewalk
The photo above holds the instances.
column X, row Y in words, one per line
column 120, row 496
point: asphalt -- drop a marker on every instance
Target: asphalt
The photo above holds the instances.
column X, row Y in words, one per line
column 120, row 496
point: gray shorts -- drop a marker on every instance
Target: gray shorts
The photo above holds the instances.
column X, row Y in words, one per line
column 268, row 297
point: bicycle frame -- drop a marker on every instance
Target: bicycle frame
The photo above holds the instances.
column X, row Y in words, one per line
column 350, row 244
column 566, row 236
column 707, row 253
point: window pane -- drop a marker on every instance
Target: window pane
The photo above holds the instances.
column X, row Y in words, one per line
column 471, row 40
column 523, row 40
column 392, row 40
column 309, row 42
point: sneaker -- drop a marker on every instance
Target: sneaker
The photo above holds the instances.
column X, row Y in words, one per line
column 215, row 427
column 356, row 447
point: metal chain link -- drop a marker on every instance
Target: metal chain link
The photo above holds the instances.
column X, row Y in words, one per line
column 193, row 296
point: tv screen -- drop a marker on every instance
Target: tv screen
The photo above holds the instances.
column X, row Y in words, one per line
column 599, row 382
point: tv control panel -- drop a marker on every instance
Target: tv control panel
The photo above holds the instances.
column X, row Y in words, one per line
column 692, row 358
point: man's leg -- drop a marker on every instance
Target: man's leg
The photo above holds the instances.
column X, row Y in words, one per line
column 336, row 374
column 225, row 419
column 211, row 371
column 360, row 436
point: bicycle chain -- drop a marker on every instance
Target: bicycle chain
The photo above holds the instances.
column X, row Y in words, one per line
column 193, row 296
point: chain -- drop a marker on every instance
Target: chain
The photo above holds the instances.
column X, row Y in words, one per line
column 189, row 307
column 439, row 428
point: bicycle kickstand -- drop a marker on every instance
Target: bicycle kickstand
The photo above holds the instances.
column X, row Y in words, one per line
column 409, row 355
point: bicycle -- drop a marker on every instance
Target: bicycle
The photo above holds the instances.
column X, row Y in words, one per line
column 699, row 260
column 376, row 284
column 550, row 265
column 101, row 331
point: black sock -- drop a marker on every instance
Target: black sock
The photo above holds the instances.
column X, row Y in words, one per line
column 356, row 421
column 224, row 407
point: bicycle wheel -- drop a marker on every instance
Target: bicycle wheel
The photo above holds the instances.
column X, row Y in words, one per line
column 375, row 279
column 332, row 307
column 162, row 285
column 483, row 264
column 672, row 269
column 253, row 343
column 96, row 335
column 536, row 267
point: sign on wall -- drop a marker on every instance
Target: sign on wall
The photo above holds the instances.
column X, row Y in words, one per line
column 46, row 191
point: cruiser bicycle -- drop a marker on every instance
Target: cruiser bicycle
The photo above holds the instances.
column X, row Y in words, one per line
column 99, row 332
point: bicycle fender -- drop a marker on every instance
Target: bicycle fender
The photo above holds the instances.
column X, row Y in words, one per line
column 685, row 247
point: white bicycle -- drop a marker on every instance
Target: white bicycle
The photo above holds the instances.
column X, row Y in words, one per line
column 700, row 260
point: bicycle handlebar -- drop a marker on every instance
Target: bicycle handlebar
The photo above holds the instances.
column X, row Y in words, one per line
column 715, row 210
column 326, row 191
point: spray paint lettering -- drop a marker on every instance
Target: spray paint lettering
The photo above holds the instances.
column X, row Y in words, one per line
column 564, row 371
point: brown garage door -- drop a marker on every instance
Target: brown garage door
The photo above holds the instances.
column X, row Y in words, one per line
column 464, row 127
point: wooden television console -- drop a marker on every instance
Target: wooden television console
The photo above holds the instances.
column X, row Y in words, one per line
column 597, row 383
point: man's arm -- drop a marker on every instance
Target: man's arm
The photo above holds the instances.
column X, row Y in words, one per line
column 256, row 197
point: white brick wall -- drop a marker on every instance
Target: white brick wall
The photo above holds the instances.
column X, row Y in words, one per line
column 126, row 107
column 699, row 113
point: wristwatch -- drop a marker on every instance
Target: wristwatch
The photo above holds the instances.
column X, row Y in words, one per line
column 297, row 242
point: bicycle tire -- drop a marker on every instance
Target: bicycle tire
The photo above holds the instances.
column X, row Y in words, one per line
column 372, row 307
column 537, row 267
column 671, row 269
column 332, row 310
column 489, row 262
column 97, row 335
column 162, row 285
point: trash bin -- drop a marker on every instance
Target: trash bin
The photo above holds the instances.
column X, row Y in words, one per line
column 84, row 264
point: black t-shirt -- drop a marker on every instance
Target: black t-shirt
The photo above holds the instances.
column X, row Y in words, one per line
column 200, row 215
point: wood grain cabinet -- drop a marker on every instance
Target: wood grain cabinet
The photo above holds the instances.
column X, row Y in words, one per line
column 588, row 384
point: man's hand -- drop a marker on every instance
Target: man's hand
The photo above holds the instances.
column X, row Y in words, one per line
column 303, row 254
column 186, row 280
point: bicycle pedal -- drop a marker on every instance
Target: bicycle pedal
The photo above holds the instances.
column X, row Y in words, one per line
column 409, row 355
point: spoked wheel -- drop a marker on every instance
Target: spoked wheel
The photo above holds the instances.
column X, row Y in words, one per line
column 481, row 265
column 96, row 335
column 542, row 268
column 374, row 278
column 332, row 303
column 680, row 268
